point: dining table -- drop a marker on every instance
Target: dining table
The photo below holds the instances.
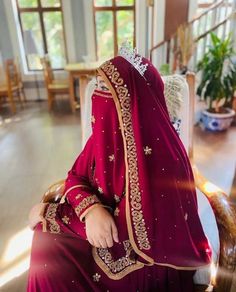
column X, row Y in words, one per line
column 84, row 72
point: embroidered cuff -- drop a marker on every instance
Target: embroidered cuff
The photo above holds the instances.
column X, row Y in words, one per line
column 84, row 204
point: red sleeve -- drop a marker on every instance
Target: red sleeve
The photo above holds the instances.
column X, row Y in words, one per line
column 79, row 192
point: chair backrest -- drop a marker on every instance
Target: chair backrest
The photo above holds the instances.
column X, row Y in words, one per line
column 47, row 70
column 11, row 73
column 18, row 71
column 177, row 100
column 2, row 75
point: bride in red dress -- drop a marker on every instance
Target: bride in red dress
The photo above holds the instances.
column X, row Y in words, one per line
column 128, row 218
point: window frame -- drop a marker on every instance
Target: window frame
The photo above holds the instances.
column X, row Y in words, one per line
column 40, row 10
column 114, row 9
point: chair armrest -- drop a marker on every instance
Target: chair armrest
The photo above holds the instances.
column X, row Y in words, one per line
column 54, row 192
column 225, row 214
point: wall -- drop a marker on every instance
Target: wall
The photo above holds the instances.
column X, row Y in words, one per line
column 5, row 39
column 78, row 21
column 192, row 10
column 176, row 13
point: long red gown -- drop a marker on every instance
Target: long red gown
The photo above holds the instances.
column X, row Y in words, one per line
column 135, row 165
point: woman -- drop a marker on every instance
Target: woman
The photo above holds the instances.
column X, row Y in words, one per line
column 128, row 218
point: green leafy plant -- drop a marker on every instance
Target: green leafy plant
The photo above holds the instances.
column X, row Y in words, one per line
column 165, row 69
column 218, row 81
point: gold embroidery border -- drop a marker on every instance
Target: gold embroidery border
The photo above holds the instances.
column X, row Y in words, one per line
column 119, row 275
column 128, row 219
column 85, row 203
column 50, row 217
column 102, row 95
column 124, row 117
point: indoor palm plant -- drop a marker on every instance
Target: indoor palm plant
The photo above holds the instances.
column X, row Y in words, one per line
column 218, row 83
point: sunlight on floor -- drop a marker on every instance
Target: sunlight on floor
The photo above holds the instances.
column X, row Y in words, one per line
column 9, row 120
column 15, row 259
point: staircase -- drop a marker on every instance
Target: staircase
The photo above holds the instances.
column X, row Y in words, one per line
column 191, row 40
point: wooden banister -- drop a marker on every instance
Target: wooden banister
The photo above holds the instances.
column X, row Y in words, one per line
column 211, row 8
column 191, row 23
column 213, row 28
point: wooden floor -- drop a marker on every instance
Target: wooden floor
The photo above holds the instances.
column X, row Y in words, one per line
column 37, row 148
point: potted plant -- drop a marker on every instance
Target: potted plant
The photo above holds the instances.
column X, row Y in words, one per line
column 218, row 83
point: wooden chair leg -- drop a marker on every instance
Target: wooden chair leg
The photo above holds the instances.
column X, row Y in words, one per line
column 12, row 103
column 50, row 100
column 22, row 91
column 20, row 98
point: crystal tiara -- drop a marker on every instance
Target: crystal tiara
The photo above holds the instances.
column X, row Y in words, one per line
column 132, row 57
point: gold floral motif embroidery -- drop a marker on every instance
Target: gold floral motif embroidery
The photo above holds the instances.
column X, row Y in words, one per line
column 117, row 269
column 50, row 217
column 117, row 211
column 117, row 198
column 85, row 203
column 135, row 194
column 96, row 277
column 147, row 150
column 66, row 219
column 111, row 157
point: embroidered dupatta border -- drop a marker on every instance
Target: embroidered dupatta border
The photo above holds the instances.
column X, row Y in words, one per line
column 121, row 98
column 116, row 269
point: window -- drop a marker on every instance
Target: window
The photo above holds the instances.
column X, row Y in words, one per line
column 42, row 30
column 114, row 23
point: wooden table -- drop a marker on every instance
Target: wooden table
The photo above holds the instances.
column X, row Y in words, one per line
column 84, row 72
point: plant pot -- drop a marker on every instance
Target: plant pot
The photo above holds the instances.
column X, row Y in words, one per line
column 217, row 122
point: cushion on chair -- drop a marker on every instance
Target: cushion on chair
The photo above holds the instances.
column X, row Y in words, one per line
column 58, row 86
column 60, row 81
column 3, row 88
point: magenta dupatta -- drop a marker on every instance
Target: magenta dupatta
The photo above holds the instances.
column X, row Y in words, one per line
column 141, row 170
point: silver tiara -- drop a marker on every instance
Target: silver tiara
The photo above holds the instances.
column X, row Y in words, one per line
column 132, row 57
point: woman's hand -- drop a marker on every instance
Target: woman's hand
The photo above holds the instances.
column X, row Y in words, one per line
column 100, row 228
column 36, row 214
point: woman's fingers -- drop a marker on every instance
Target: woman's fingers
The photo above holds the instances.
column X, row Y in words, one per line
column 103, row 243
column 94, row 242
column 114, row 231
column 109, row 240
column 103, row 232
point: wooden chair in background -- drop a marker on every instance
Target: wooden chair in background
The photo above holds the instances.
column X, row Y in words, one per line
column 20, row 82
column 53, row 86
column 11, row 88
